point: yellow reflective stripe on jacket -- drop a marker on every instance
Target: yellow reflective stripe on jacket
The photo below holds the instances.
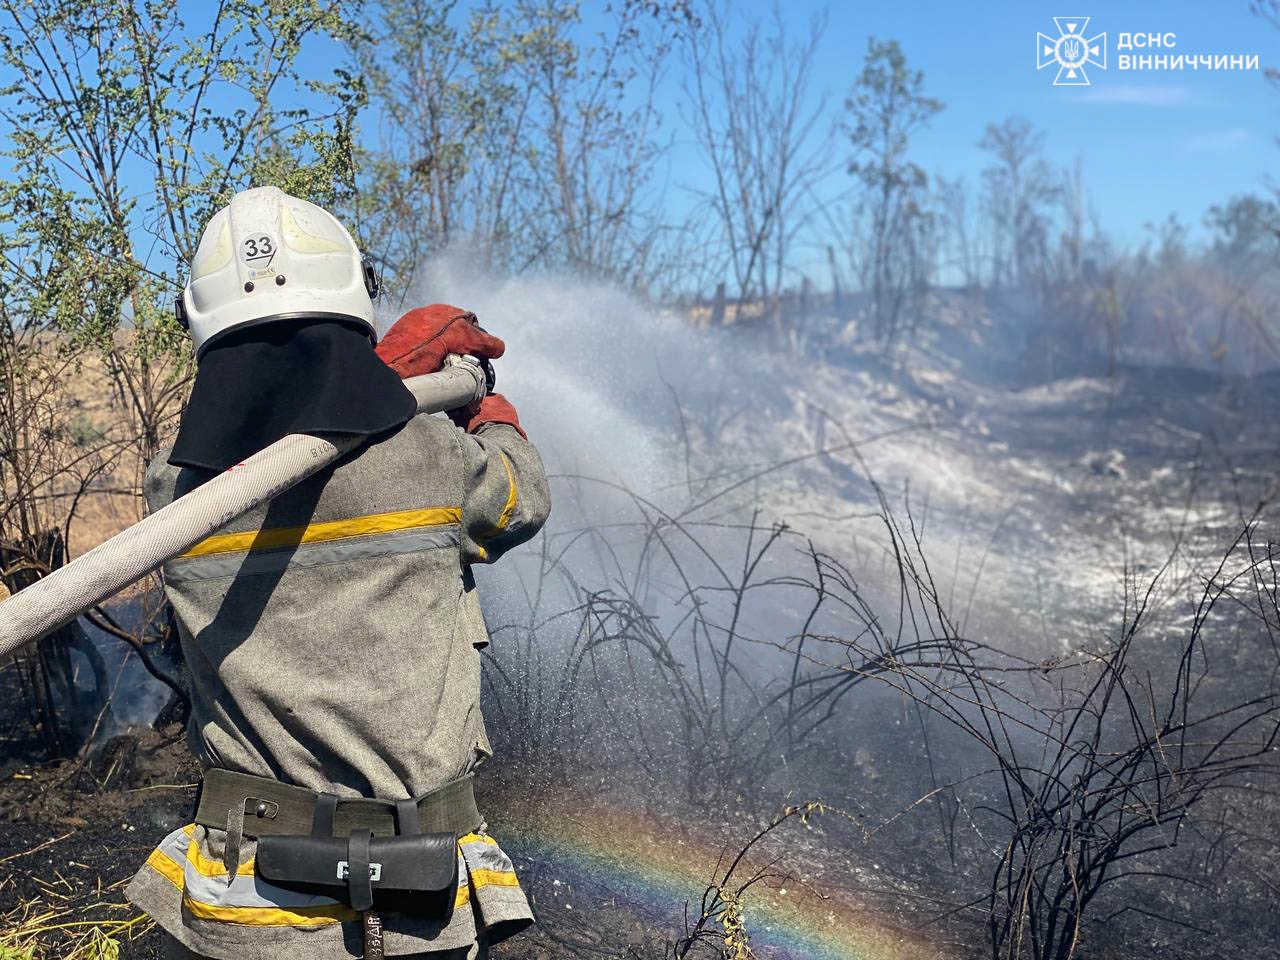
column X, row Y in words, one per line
column 167, row 868
column 214, row 868
column 283, row 916
column 487, row 865
column 508, row 509
column 510, row 506
column 492, row 878
column 269, row 916
column 168, row 858
column 326, row 531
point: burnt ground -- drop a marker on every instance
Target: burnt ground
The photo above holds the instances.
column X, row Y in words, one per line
column 72, row 834
column 1037, row 499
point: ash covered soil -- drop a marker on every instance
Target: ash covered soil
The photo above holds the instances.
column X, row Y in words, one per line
column 1036, row 497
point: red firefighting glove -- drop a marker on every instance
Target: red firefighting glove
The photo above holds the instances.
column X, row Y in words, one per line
column 495, row 408
column 419, row 341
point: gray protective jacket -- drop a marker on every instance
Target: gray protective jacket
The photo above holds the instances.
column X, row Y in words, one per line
column 333, row 640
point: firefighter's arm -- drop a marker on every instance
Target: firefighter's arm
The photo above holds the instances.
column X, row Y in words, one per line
column 506, row 498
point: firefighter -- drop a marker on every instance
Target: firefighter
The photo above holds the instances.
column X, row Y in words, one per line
column 333, row 635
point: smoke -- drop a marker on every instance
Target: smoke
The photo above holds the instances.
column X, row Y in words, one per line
column 106, row 690
column 713, row 427
column 594, row 374
column 616, row 394
column 650, row 430
column 710, row 425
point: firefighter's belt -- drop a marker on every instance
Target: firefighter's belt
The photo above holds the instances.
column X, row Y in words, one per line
column 272, row 808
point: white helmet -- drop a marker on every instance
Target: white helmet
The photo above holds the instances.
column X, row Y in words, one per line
column 269, row 256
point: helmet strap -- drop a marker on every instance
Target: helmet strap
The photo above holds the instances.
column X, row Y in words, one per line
column 371, row 282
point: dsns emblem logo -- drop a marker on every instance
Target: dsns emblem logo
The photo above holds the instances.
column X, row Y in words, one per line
column 1071, row 51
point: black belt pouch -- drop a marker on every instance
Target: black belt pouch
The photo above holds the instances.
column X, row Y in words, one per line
column 412, row 872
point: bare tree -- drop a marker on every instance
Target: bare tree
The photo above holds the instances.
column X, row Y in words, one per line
column 502, row 129
column 451, row 126
column 758, row 126
column 887, row 105
column 1020, row 191
column 961, row 250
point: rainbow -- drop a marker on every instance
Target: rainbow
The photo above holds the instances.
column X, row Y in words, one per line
column 593, row 856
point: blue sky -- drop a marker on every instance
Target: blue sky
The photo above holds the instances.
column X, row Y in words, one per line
column 1152, row 143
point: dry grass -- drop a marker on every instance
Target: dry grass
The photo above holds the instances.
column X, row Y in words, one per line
column 57, row 924
column 81, row 465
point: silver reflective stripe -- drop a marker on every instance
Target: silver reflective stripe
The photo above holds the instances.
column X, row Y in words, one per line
column 486, row 856
column 174, row 846
column 246, row 891
column 253, row 562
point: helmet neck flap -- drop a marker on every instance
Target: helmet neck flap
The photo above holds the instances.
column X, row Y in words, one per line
column 258, row 384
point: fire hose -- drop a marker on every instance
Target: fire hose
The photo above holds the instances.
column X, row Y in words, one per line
column 57, row 599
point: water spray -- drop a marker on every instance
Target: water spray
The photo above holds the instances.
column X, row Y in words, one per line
column 104, row 571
